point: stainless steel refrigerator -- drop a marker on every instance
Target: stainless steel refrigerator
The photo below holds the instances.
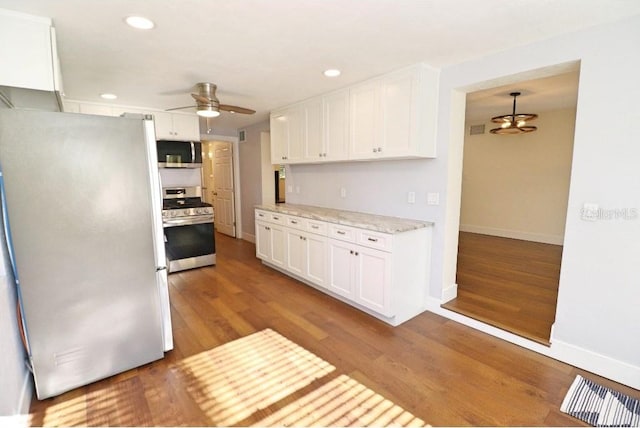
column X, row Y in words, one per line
column 82, row 197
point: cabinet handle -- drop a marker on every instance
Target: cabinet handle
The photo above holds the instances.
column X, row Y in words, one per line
column 267, row 228
column 276, row 218
column 350, row 251
column 356, row 253
column 375, row 150
column 372, row 239
column 294, row 222
column 340, row 232
column 313, row 226
column 260, row 215
column 320, row 155
column 379, row 149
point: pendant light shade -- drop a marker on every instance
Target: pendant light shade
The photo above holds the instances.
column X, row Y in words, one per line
column 514, row 123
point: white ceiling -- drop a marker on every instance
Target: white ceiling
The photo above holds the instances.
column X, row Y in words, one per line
column 265, row 54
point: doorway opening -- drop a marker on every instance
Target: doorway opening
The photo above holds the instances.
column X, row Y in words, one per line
column 513, row 209
column 218, row 184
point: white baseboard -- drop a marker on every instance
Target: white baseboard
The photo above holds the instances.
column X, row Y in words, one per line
column 249, row 237
column 599, row 364
column 450, row 293
column 513, row 234
column 602, row 365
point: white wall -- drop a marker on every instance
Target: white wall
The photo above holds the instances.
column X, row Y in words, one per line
column 251, row 176
column 597, row 318
column 15, row 383
column 517, row 186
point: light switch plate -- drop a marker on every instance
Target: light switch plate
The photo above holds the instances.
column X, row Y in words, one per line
column 343, row 192
column 411, row 197
column 433, row 198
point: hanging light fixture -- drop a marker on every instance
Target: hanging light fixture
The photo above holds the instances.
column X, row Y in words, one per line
column 512, row 124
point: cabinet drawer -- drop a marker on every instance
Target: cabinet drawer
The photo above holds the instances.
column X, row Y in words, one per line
column 377, row 240
column 277, row 218
column 296, row 222
column 262, row 215
column 318, row 227
column 343, row 233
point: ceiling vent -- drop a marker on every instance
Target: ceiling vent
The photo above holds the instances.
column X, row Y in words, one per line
column 476, row 129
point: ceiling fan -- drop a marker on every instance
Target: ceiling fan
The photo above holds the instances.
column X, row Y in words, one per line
column 208, row 105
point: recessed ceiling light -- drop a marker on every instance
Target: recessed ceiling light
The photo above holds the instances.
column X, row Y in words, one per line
column 332, row 72
column 140, row 22
column 108, row 96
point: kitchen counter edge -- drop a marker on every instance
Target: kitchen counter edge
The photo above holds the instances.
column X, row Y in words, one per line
column 360, row 220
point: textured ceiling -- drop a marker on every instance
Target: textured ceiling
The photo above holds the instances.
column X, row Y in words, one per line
column 265, row 54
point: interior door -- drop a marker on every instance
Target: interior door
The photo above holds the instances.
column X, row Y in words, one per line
column 208, row 184
column 223, row 200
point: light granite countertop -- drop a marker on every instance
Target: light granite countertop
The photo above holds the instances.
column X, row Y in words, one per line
column 374, row 222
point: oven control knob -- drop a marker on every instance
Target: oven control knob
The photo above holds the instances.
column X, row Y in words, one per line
column 174, row 213
column 198, row 210
column 186, row 212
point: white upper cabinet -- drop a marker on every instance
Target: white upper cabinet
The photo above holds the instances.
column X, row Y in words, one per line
column 335, row 129
column 287, row 132
column 390, row 117
column 395, row 116
column 176, row 126
column 27, row 51
column 30, row 72
column 312, row 144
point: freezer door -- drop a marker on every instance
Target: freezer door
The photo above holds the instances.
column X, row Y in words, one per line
column 80, row 205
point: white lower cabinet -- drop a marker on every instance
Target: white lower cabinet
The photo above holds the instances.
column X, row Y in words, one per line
column 385, row 275
column 306, row 255
column 270, row 243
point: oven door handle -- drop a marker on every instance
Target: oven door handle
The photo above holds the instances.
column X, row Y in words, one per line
column 187, row 221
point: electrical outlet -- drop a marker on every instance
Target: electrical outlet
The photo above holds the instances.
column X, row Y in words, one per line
column 343, row 192
column 289, row 189
column 411, row 197
column 297, row 189
column 433, row 198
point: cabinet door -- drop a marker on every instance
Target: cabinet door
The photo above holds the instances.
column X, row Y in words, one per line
column 263, row 241
column 399, row 117
column 278, row 245
column 186, row 127
column 279, row 128
column 373, row 279
column 312, row 112
column 296, row 135
column 336, row 125
column 164, row 125
column 316, row 255
column 26, row 52
column 296, row 254
column 364, row 121
column 340, row 272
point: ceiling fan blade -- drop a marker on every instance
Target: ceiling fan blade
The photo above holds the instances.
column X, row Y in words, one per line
column 179, row 108
column 236, row 109
column 202, row 99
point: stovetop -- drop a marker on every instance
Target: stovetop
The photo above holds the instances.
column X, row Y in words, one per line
column 181, row 203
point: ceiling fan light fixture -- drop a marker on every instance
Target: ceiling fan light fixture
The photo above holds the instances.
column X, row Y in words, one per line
column 332, row 72
column 207, row 112
column 513, row 124
column 139, row 22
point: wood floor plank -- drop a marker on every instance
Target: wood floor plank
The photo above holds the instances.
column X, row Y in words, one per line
column 508, row 283
column 439, row 370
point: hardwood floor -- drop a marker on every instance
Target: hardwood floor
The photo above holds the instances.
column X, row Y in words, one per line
column 439, row 370
column 508, row 283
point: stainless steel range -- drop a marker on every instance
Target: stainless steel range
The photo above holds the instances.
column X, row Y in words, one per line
column 188, row 229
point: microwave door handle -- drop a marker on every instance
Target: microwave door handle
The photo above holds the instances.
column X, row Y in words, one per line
column 193, row 152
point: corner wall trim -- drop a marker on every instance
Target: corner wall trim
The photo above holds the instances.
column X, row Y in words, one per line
column 450, row 293
column 26, row 394
column 249, row 237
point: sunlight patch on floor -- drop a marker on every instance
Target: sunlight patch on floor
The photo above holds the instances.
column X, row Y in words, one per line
column 233, row 381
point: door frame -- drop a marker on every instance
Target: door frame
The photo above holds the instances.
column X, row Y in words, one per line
column 236, row 176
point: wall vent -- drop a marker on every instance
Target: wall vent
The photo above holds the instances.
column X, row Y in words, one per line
column 476, row 129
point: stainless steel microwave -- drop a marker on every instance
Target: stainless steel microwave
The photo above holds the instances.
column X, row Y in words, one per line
column 179, row 154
